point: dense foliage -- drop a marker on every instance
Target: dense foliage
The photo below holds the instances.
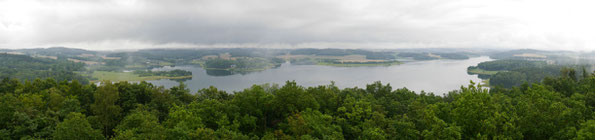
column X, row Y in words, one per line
column 519, row 76
column 558, row 108
column 24, row 67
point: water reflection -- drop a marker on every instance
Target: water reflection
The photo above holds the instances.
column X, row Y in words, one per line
column 439, row 76
column 227, row 72
column 219, row 72
column 481, row 76
column 182, row 80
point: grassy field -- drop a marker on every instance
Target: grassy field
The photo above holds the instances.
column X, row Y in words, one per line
column 135, row 66
column 165, row 63
column 481, row 71
column 128, row 76
column 199, row 62
column 485, row 83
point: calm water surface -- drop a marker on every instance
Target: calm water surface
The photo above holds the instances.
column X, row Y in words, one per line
column 438, row 76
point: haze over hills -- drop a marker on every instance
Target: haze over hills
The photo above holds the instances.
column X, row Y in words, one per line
column 132, row 65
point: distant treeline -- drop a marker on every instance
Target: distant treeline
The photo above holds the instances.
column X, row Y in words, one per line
column 369, row 62
column 508, row 65
column 512, row 54
column 243, row 63
column 24, row 67
column 427, row 56
column 514, row 72
column 57, row 51
column 343, row 52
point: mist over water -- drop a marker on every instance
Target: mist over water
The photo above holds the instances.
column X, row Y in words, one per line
column 438, row 76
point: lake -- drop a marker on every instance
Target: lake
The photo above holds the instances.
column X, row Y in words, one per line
column 438, row 76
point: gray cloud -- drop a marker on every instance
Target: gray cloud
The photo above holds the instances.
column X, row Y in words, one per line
column 443, row 23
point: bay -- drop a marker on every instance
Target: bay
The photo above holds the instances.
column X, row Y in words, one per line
column 437, row 76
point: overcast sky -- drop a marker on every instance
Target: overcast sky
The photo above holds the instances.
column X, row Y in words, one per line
column 134, row 24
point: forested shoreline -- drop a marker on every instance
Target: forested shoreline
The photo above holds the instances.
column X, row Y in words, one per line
column 514, row 72
column 558, row 108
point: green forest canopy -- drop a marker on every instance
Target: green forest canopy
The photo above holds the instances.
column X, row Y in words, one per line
column 558, row 108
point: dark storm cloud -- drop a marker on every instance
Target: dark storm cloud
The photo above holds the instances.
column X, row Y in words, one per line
column 228, row 21
column 436, row 23
column 192, row 22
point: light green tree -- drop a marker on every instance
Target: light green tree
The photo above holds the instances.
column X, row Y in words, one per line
column 587, row 131
column 105, row 108
column 140, row 124
column 76, row 126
